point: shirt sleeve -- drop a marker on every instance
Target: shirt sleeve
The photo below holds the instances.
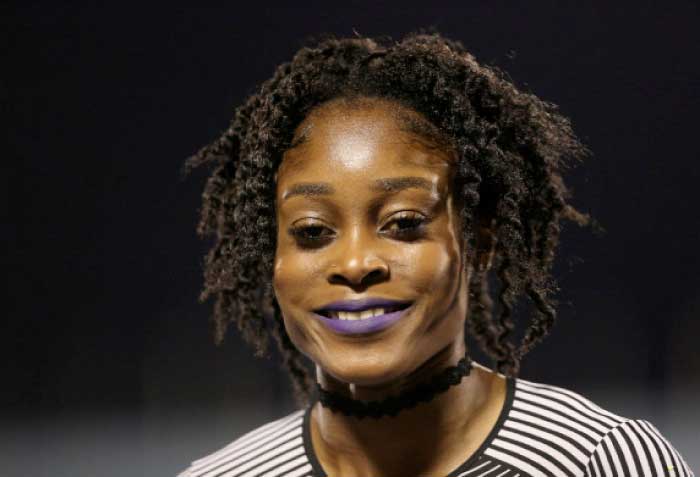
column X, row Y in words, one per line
column 636, row 448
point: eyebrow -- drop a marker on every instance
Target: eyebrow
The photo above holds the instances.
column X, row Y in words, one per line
column 390, row 185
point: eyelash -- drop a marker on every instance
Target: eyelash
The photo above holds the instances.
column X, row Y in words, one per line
column 414, row 232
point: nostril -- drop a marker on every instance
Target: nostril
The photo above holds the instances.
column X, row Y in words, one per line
column 359, row 276
column 374, row 276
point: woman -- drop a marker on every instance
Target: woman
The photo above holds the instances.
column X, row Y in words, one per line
column 363, row 202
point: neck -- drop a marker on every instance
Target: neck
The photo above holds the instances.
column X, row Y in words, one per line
column 414, row 441
column 402, row 399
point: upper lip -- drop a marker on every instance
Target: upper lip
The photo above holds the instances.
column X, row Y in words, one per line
column 362, row 304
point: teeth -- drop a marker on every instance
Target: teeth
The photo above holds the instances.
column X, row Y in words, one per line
column 356, row 315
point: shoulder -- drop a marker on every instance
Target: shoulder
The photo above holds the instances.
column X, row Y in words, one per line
column 556, row 431
column 276, row 448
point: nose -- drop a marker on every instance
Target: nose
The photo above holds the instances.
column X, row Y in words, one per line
column 357, row 263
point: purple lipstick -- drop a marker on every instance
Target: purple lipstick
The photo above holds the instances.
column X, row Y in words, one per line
column 369, row 315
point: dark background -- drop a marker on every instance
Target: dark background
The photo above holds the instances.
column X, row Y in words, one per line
column 110, row 369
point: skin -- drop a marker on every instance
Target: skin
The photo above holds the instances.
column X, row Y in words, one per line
column 348, row 240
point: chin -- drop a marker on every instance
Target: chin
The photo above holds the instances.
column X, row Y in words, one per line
column 366, row 370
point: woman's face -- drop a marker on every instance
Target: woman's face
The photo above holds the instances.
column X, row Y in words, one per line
column 365, row 212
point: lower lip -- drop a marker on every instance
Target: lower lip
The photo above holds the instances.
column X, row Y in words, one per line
column 362, row 327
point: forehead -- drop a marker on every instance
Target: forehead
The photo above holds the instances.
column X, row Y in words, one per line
column 363, row 137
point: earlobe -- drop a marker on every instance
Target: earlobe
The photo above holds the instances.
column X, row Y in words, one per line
column 485, row 248
column 484, row 260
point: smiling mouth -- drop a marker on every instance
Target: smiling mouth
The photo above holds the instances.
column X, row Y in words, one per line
column 362, row 314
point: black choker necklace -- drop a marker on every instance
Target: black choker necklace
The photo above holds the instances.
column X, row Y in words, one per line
column 391, row 406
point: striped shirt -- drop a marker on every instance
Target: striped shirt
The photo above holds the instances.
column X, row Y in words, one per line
column 542, row 431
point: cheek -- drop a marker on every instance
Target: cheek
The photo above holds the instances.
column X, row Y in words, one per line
column 431, row 268
column 294, row 273
column 289, row 279
column 284, row 277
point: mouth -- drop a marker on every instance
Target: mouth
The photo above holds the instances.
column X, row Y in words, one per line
column 363, row 314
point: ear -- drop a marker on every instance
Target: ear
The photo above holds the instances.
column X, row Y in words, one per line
column 485, row 245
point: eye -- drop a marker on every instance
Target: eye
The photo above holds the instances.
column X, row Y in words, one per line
column 406, row 225
column 310, row 234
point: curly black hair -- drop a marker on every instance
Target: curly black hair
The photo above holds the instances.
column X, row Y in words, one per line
column 511, row 149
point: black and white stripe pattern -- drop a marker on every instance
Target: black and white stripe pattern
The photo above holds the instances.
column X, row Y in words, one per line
column 274, row 450
column 551, row 431
column 543, row 431
column 636, row 448
column 489, row 468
